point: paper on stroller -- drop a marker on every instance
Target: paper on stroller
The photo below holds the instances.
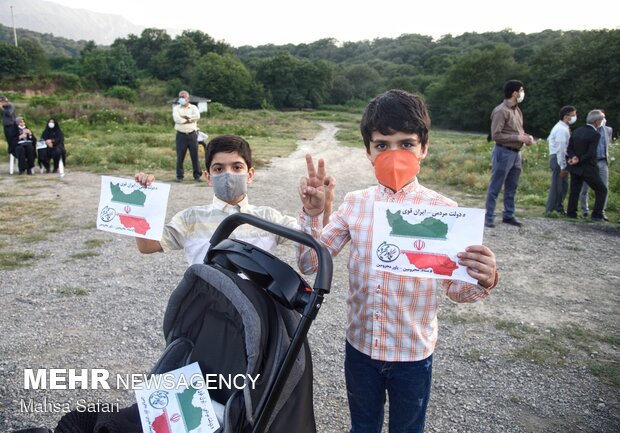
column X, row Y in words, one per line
column 176, row 402
column 127, row 208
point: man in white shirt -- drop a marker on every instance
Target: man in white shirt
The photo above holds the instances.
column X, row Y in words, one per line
column 558, row 141
column 186, row 117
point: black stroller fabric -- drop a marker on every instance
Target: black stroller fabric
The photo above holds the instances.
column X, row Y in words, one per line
column 244, row 332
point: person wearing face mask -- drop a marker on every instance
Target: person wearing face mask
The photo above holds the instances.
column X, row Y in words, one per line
column 229, row 171
column 186, row 116
column 581, row 159
column 509, row 136
column 602, row 160
column 54, row 140
column 23, row 145
column 392, row 318
column 558, row 141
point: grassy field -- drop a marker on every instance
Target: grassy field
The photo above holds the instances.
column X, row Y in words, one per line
column 106, row 135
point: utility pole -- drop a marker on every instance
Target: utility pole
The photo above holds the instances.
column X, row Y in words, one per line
column 14, row 32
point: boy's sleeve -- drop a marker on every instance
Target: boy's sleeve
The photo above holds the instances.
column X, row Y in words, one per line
column 460, row 291
column 283, row 220
column 306, row 257
column 173, row 236
column 334, row 235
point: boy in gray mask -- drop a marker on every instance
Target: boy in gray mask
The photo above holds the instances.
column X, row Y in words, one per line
column 229, row 171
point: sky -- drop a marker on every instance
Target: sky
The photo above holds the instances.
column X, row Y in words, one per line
column 258, row 22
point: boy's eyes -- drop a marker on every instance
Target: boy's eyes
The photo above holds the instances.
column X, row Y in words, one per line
column 404, row 145
column 220, row 169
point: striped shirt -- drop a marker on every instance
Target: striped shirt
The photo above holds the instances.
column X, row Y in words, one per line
column 389, row 317
column 192, row 228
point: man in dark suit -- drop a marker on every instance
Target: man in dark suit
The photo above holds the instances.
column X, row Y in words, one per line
column 581, row 163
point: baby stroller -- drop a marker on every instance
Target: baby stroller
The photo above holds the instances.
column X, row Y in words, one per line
column 243, row 311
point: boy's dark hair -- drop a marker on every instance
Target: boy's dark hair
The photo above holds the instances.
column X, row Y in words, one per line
column 395, row 111
column 512, row 86
column 229, row 144
column 566, row 110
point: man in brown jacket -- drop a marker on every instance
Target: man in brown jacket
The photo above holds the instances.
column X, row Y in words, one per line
column 509, row 136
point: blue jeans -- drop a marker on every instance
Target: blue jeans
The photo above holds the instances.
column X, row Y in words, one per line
column 505, row 171
column 408, row 386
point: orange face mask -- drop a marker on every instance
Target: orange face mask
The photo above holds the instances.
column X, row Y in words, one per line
column 396, row 168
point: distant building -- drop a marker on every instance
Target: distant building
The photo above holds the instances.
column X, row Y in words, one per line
column 201, row 103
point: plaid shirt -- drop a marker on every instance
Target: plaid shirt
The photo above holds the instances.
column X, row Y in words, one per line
column 390, row 317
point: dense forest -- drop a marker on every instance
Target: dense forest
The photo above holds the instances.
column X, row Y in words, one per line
column 460, row 77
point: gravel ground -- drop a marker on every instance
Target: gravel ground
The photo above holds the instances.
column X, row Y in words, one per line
column 522, row 360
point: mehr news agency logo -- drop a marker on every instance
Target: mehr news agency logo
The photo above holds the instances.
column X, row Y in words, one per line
column 99, row 378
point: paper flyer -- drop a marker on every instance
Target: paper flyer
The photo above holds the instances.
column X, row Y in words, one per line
column 177, row 402
column 127, row 208
column 424, row 240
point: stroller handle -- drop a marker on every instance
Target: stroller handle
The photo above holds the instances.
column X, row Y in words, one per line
column 325, row 264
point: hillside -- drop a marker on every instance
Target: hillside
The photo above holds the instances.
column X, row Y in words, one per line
column 53, row 46
column 77, row 24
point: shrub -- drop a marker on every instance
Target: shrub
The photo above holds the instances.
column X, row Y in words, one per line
column 48, row 102
column 106, row 116
column 122, row 92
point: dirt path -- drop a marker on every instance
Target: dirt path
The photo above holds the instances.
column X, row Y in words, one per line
column 521, row 361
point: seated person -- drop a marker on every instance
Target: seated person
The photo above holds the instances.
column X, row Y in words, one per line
column 23, row 144
column 54, row 139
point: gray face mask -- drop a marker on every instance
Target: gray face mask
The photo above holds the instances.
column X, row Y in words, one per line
column 228, row 186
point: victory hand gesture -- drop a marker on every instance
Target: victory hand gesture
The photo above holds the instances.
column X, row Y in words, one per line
column 312, row 188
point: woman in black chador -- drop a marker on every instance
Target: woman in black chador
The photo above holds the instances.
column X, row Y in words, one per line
column 54, row 138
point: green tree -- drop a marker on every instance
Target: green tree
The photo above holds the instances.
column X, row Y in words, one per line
column 580, row 69
column 294, row 82
column 145, row 48
column 36, row 58
column 205, row 44
column 365, row 81
column 13, row 60
column 222, row 78
column 109, row 67
column 465, row 95
column 177, row 60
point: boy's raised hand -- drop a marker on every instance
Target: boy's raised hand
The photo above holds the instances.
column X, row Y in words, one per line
column 144, row 179
column 480, row 262
column 312, row 187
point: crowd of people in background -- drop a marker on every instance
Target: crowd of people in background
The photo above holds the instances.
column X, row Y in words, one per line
column 584, row 155
column 24, row 146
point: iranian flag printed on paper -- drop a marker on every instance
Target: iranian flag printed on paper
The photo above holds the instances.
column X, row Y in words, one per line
column 176, row 409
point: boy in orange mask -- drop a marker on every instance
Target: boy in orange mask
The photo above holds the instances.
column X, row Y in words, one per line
column 392, row 319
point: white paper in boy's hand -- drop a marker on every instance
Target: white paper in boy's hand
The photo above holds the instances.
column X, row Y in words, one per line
column 176, row 402
column 423, row 241
column 127, row 208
